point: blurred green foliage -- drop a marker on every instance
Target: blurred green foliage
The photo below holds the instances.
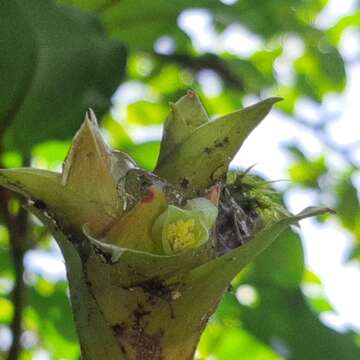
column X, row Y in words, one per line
column 270, row 306
column 60, row 57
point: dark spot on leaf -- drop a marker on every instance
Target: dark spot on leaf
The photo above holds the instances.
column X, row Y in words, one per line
column 155, row 287
column 106, row 257
column 208, row 150
column 222, row 143
column 39, row 204
column 146, row 346
column 184, row 182
column 139, row 313
column 118, row 329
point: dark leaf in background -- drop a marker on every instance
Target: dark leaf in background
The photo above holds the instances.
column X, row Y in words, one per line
column 56, row 62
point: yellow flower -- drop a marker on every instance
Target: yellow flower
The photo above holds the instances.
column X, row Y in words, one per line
column 181, row 235
column 182, row 229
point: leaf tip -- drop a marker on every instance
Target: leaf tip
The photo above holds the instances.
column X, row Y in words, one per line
column 276, row 99
column 272, row 100
column 191, row 94
column 314, row 211
column 91, row 117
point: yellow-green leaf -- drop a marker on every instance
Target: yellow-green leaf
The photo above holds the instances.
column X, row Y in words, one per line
column 202, row 157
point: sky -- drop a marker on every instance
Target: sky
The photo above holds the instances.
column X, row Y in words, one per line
column 272, row 161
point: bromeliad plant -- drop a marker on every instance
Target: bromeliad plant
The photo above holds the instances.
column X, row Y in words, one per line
column 149, row 255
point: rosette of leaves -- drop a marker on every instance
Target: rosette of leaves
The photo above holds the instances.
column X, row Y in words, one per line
column 139, row 247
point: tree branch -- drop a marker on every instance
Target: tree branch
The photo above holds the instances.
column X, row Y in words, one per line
column 206, row 61
column 18, row 227
column 18, row 299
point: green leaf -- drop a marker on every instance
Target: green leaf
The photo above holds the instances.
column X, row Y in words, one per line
column 145, row 154
column 202, row 154
column 319, row 303
column 46, row 189
column 49, row 153
column 18, row 52
column 178, row 281
column 88, row 168
column 354, row 253
column 232, row 342
column 98, row 339
column 48, row 309
column 285, row 258
column 335, row 33
column 146, row 113
column 280, row 308
column 279, row 316
column 124, row 281
column 195, row 283
column 311, row 278
column 348, row 205
column 320, row 71
column 6, row 311
column 119, row 138
column 186, row 115
column 55, row 63
column 227, row 266
column 307, row 172
column 86, row 192
column 133, row 229
column 140, row 24
column 5, row 257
